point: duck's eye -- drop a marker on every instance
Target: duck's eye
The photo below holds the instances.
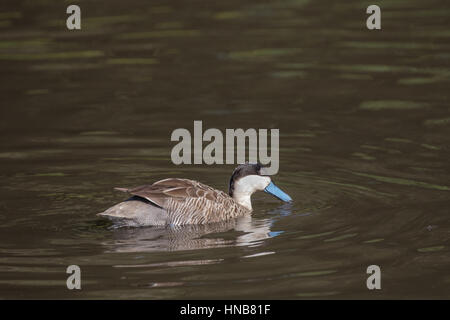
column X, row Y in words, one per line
column 263, row 172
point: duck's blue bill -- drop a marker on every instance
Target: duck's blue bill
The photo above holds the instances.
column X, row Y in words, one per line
column 277, row 192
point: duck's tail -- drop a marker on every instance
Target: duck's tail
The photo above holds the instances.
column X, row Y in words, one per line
column 140, row 212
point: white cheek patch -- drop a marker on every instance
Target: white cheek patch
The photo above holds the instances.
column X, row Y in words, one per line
column 250, row 184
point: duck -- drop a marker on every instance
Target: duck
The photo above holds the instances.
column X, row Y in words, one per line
column 177, row 201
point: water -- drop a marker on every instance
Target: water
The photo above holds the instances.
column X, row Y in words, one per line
column 364, row 134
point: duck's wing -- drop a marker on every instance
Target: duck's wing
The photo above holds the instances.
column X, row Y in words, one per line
column 188, row 201
column 175, row 189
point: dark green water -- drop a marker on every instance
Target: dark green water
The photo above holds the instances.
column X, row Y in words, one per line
column 364, row 119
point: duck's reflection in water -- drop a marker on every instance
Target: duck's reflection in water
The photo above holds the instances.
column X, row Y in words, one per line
column 242, row 231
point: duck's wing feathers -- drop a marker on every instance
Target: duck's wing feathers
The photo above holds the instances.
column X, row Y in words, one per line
column 176, row 189
column 187, row 200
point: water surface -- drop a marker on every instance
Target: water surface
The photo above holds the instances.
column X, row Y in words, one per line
column 364, row 146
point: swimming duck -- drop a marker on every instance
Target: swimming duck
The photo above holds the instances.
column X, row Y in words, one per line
column 177, row 201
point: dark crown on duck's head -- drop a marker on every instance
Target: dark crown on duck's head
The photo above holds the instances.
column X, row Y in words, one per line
column 241, row 171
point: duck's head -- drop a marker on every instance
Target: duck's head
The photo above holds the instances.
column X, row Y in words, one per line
column 248, row 178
